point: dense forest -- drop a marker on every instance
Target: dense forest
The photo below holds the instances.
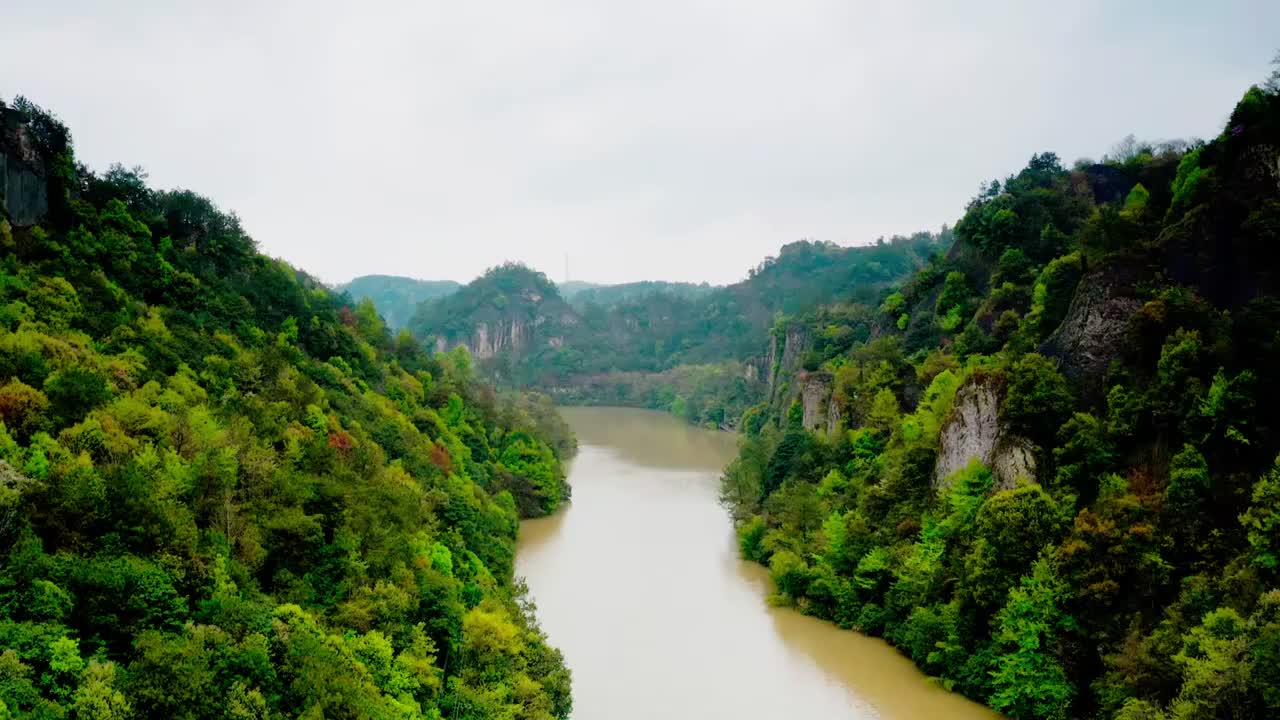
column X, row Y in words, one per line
column 225, row 492
column 1048, row 471
column 586, row 293
column 694, row 350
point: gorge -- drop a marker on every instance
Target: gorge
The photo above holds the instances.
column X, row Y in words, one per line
column 1024, row 466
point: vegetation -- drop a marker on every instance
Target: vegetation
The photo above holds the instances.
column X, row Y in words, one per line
column 608, row 295
column 713, row 396
column 1124, row 317
column 649, row 344
column 396, row 297
column 227, row 492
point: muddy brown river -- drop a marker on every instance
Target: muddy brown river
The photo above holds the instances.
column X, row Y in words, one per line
column 638, row 581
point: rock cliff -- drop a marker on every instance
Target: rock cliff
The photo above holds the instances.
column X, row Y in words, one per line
column 1092, row 333
column 973, row 430
column 820, row 412
column 24, row 190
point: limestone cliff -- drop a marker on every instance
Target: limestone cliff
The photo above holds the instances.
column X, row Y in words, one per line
column 511, row 313
column 973, row 430
column 787, row 348
column 24, row 197
column 820, row 413
column 785, row 357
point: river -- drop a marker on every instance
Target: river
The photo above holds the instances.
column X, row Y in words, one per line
column 639, row 583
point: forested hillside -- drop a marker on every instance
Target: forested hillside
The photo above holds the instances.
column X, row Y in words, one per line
column 608, row 295
column 395, row 297
column 699, row 351
column 226, row 493
column 1046, row 465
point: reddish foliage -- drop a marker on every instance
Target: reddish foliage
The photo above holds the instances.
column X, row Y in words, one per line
column 440, row 458
column 1142, row 481
column 347, row 317
column 341, row 440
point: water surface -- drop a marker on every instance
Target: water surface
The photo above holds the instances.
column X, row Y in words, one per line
column 639, row 583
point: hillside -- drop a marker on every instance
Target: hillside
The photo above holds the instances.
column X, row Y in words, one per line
column 1045, row 467
column 627, row 347
column 608, row 295
column 395, row 297
column 224, row 492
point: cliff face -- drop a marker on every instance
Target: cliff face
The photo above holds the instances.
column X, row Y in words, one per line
column 512, row 314
column 786, row 383
column 820, row 412
column 505, row 334
column 785, row 361
column 1092, row 333
column 489, row 338
column 974, row 431
column 24, row 194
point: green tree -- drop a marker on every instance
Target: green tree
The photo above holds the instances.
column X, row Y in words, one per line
column 1029, row 680
column 1261, row 520
column 1215, row 669
column 1037, row 400
column 1010, row 530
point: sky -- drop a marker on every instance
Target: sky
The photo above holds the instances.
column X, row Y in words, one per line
column 663, row 139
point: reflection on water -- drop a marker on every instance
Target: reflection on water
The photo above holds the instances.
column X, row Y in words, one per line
column 639, row 583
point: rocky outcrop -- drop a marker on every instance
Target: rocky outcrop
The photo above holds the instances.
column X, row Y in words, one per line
column 24, row 191
column 488, row 340
column 786, row 360
column 834, row 416
column 1092, row 333
column 815, row 399
column 973, row 430
column 786, row 354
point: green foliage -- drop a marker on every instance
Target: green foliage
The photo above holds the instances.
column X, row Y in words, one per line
column 396, row 297
column 1262, row 520
column 1084, row 455
column 1029, row 681
column 1133, row 573
column 751, row 539
column 1215, row 669
column 1136, row 201
column 1052, row 293
column 668, row 340
column 227, row 492
column 1037, row 400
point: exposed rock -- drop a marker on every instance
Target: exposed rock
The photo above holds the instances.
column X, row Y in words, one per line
column 973, row 430
column 1013, row 458
column 1092, row 333
column 24, row 193
column 12, row 485
column 815, row 398
column 795, row 344
column 784, row 365
column 505, row 334
column 834, row 416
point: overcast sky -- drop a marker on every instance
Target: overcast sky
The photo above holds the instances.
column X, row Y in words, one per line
column 650, row 139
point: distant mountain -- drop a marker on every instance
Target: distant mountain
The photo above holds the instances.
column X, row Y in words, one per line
column 523, row 331
column 609, row 295
column 396, row 297
column 572, row 287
